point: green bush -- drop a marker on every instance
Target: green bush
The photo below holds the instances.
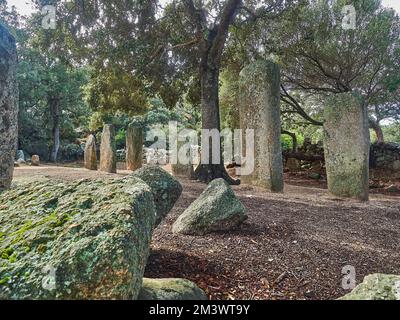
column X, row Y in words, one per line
column 71, row 152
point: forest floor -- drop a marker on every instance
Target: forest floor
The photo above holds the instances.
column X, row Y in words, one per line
column 293, row 246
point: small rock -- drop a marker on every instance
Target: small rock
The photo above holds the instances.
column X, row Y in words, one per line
column 170, row 289
column 35, row 161
column 314, row 176
column 217, row 209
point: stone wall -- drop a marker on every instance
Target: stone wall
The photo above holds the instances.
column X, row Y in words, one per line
column 385, row 156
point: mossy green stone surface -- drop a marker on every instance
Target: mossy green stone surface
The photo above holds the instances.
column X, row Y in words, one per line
column 166, row 189
column 170, row 289
column 376, row 287
column 88, row 239
column 217, row 209
column 346, row 146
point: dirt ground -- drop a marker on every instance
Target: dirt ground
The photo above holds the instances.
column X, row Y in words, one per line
column 293, row 246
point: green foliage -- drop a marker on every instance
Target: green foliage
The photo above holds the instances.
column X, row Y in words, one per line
column 71, row 152
column 120, row 138
column 392, row 132
column 42, row 78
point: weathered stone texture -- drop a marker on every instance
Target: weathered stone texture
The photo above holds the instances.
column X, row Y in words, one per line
column 108, row 150
column 91, row 153
column 134, row 147
column 260, row 111
column 217, row 209
column 376, row 287
column 170, row 290
column 346, row 146
column 8, row 107
column 81, row 240
column 165, row 188
column 35, row 160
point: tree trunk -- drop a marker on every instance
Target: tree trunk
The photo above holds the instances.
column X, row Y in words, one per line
column 55, row 114
column 378, row 131
column 207, row 172
column 294, row 139
column 211, row 49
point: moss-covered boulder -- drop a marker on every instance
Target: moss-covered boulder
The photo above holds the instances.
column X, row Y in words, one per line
column 166, row 189
column 170, row 289
column 217, row 209
column 83, row 240
column 376, row 287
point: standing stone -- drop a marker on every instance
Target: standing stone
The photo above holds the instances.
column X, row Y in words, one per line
column 134, row 147
column 108, row 150
column 8, row 107
column 260, row 111
column 91, row 153
column 347, row 144
column 180, row 169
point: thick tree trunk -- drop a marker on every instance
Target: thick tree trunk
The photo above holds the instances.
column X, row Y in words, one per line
column 207, row 172
column 378, row 131
column 55, row 114
column 211, row 49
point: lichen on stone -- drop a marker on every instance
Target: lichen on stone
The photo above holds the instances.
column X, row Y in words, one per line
column 94, row 235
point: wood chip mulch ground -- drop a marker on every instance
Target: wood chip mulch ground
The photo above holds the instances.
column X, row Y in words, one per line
column 293, row 246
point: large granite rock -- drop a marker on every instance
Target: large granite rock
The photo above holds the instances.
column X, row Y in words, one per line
column 170, row 289
column 346, row 146
column 260, row 111
column 8, row 107
column 83, row 240
column 91, row 153
column 217, row 209
column 166, row 189
column 134, row 147
column 108, row 150
column 376, row 287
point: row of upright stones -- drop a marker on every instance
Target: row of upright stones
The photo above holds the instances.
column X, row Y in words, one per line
column 108, row 158
column 346, row 134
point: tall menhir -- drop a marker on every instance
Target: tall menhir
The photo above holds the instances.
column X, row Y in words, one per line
column 8, row 107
